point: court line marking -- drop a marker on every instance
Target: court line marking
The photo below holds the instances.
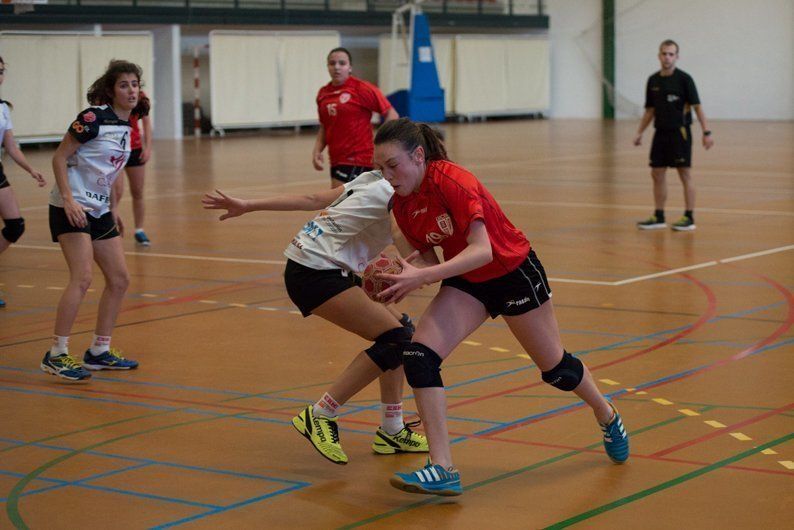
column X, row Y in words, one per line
column 563, row 204
column 553, row 279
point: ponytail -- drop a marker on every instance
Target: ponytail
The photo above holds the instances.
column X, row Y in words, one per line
column 411, row 135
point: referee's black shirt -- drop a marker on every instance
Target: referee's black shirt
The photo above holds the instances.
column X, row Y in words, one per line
column 669, row 97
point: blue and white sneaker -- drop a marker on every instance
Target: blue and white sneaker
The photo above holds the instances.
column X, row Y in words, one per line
column 2, row 303
column 64, row 367
column 616, row 439
column 109, row 360
column 430, row 480
column 141, row 239
column 408, row 323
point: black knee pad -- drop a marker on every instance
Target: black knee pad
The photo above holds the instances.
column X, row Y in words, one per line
column 422, row 366
column 13, row 230
column 387, row 351
column 567, row 375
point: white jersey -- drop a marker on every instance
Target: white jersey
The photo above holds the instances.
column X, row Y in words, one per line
column 351, row 231
column 96, row 164
column 5, row 122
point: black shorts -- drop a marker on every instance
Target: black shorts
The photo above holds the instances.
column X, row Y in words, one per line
column 515, row 293
column 672, row 148
column 310, row 288
column 135, row 158
column 102, row 228
column 348, row 173
column 3, row 179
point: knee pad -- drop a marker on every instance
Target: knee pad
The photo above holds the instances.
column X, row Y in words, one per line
column 567, row 374
column 13, row 230
column 422, row 366
column 387, row 351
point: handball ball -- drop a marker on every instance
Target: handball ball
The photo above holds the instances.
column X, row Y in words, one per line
column 383, row 264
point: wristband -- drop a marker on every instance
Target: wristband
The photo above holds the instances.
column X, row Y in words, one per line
column 706, row 133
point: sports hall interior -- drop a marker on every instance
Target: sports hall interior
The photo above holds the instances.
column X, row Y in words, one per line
column 689, row 333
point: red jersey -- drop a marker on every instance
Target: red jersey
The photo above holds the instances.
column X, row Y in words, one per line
column 346, row 113
column 135, row 135
column 442, row 210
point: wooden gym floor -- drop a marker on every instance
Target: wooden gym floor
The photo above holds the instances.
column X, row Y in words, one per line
column 690, row 333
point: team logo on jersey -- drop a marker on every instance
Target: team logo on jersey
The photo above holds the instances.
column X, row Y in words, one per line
column 672, row 97
column 418, row 212
column 344, row 98
column 445, row 223
column 118, row 161
column 89, row 117
column 78, row 127
column 102, row 181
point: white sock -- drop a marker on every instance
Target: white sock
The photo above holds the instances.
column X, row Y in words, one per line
column 327, row 407
column 391, row 417
column 99, row 345
column 60, row 346
column 138, row 230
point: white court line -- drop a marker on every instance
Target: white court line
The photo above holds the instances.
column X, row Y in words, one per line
column 643, row 208
column 559, row 280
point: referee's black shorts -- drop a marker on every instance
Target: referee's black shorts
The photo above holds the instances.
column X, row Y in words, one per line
column 347, row 173
column 672, row 148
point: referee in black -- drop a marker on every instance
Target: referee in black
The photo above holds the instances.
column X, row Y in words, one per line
column 669, row 97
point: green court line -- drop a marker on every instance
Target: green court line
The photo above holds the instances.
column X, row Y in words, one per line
column 503, row 476
column 668, row 484
column 12, row 502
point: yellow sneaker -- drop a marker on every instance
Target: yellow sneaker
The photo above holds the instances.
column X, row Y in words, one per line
column 405, row 441
column 323, row 433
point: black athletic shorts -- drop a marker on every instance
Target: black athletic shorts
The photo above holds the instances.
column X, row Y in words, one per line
column 348, row 173
column 517, row 292
column 102, row 228
column 310, row 288
column 135, row 158
column 3, row 179
column 672, row 148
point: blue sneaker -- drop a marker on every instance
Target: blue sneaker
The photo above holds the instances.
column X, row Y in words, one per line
column 109, row 360
column 141, row 239
column 616, row 439
column 2, row 303
column 431, row 480
column 64, row 366
column 408, row 323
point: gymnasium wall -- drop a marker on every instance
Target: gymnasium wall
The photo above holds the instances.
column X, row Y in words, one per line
column 740, row 53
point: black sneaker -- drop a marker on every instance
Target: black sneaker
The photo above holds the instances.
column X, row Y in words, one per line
column 683, row 224
column 651, row 223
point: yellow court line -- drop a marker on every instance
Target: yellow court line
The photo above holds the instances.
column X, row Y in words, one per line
column 498, row 349
column 55, row 288
column 642, row 393
column 472, row 343
column 788, row 464
column 263, row 308
column 769, row 451
column 149, row 295
column 740, row 436
column 208, row 301
column 524, row 356
column 715, row 424
column 662, row 401
column 237, row 305
column 689, row 412
column 609, row 382
column 26, row 286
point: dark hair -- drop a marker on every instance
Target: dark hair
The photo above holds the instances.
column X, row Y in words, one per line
column 101, row 91
column 10, row 106
column 669, row 42
column 411, row 135
column 344, row 50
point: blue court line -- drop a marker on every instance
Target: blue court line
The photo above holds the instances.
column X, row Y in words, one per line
column 227, row 508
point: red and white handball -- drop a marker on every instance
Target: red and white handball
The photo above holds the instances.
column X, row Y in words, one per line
column 383, row 264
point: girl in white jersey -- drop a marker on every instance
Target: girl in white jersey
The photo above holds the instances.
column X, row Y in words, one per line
column 84, row 220
column 13, row 223
column 352, row 227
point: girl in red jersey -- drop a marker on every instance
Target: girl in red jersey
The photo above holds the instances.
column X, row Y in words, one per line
column 345, row 106
column 13, row 223
column 141, row 151
column 489, row 269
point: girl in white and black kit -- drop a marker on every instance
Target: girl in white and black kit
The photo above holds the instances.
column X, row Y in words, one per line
column 13, row 223
column 84, row 220
column 353, row 226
